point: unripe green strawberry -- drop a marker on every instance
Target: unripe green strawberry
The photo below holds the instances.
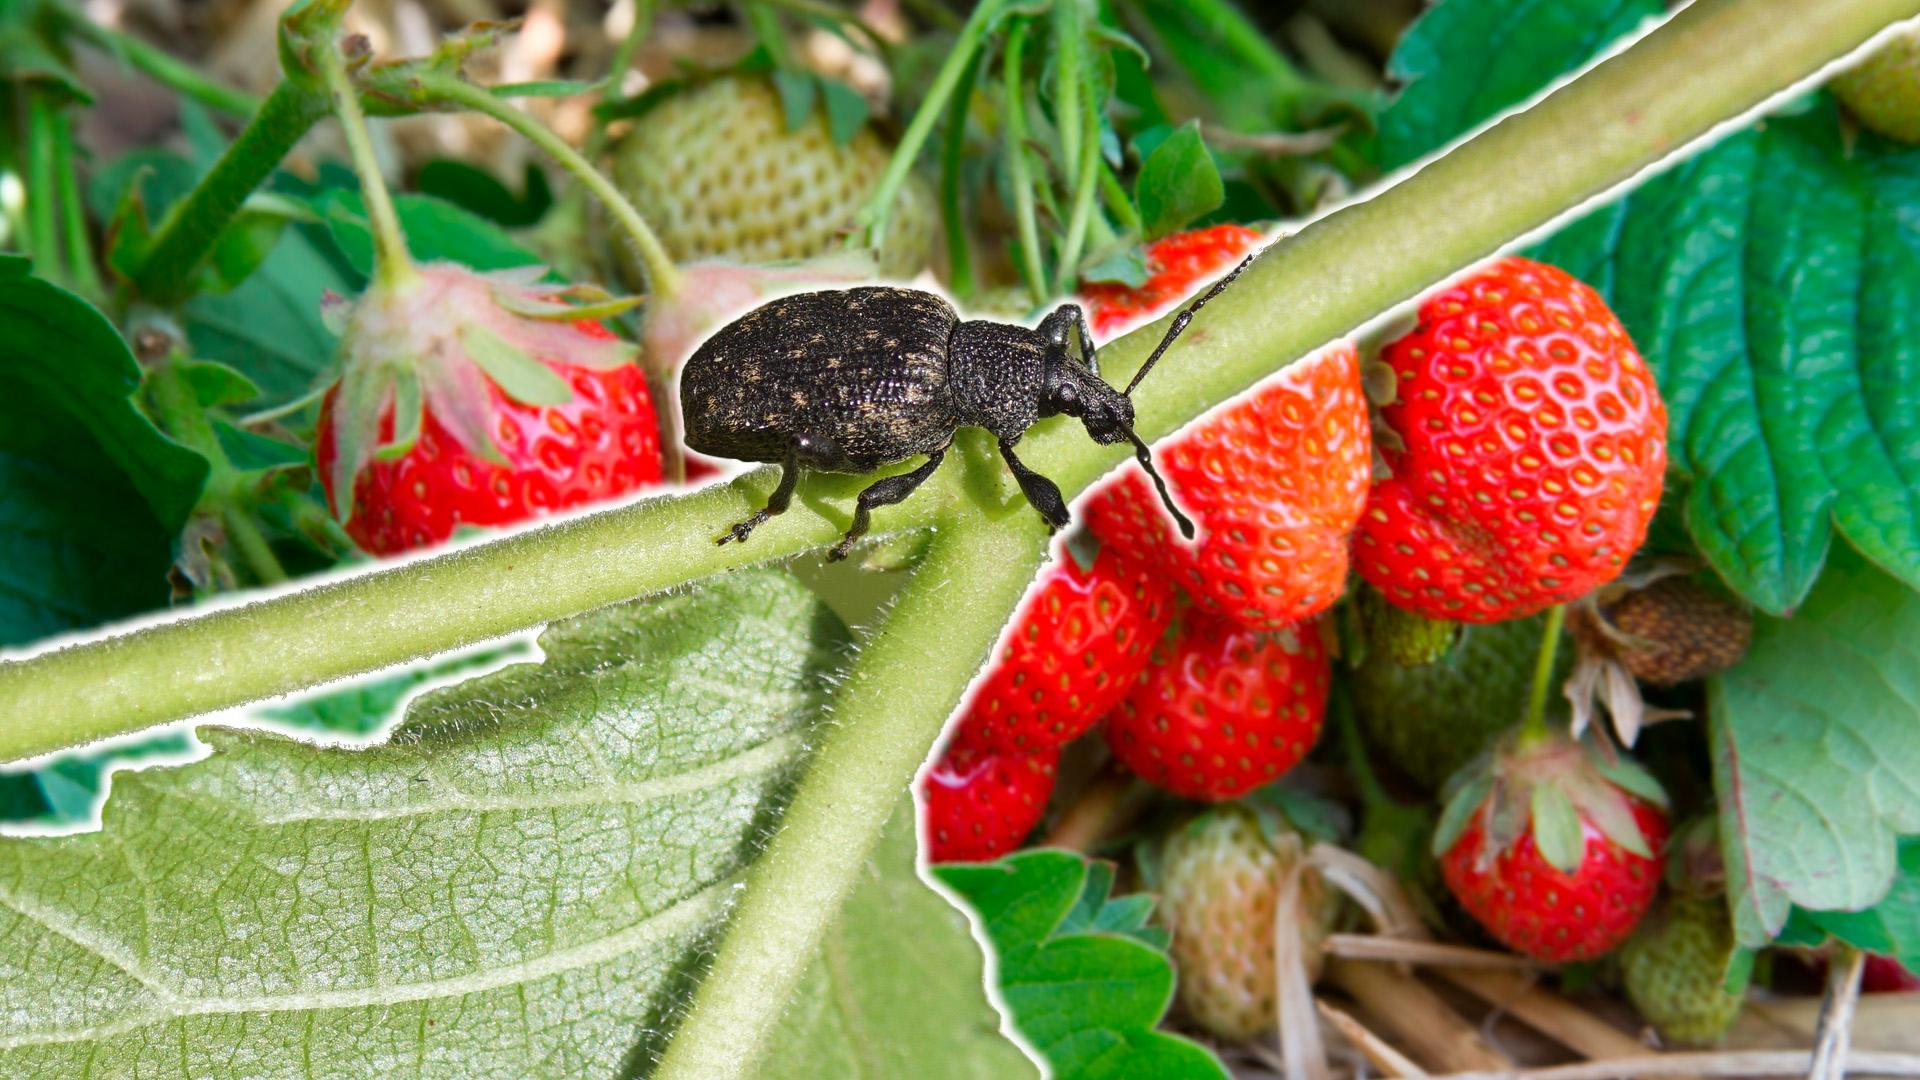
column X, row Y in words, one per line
column 1429, row 721
column 717, row 173
column 1883, row 91
column 1675, row 971
column 1407, row 639
column 1221, row 877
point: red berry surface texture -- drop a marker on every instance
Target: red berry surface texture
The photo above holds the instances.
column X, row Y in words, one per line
column 1529, row 443
column 1223, row 709
column 1275, row 481
column 1077, row 646
column 979, row 804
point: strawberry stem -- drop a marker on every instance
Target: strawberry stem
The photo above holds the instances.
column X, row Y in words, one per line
column 1533, row 729
column 392, row 265
column 1018, row 174
column 663, row 278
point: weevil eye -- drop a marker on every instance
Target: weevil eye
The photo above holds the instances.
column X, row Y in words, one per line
column 1067, row 399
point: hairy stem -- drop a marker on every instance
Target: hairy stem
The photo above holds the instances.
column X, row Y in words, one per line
column 1086, row 184
column 885, row 718
column 185, row 236
column 43, row 200
column 83, row 275
column 663, row 278
column 1712, row 61
column 959, row 258
column 392, row 265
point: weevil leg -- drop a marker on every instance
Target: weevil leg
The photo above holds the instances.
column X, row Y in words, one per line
column 885, row 492
column 1043, row 493
column 776, row 503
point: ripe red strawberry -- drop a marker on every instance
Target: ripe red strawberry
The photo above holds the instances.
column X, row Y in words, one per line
column 1529, row 450
column 468, row 399
column 1223, row 709
column 1176, row 265
column 1276, row 482
column 1078, row 645
column 1553, row 849
column 980, row 804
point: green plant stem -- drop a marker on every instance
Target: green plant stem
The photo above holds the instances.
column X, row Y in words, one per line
column 1711, row 61
column 392, row 265
column 1068, row 40
column 618, row 67
column 886, row 716
column 959, row 258
column 1360, row 767
column 873, row 215
column 1019, row 176
column 186, row 235
column 663, row 278
column 1086, row 184
column 175, row 75
column 1533, row 728
column 43, row 208
column 1118, row 204
column 83, row 275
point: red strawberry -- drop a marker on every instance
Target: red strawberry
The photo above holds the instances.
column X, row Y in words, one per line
column 979, row 804
column 1885, row 975
column 469, row 399
column 1078, row 645
column 1176, row 265
column 1223, row 709
column 1276, row 481
column 1553, row 849
column 1530, row 443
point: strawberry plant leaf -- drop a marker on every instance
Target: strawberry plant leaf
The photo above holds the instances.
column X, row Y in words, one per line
column 1087, row 998
column 479, row 192
column 1889, row 928
column 512, row 885
column 269, row 326
column 1816, row 750
column 899, row 988
column 1178, row 182
column 1517, row 47
column 436, row 230
column 95, row 493
column 1766, row 280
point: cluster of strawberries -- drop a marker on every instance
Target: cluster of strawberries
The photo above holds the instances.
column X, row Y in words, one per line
column 1502, row 457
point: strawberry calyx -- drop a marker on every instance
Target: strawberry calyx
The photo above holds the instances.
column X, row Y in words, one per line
column 444, row 342
column 1548, row 787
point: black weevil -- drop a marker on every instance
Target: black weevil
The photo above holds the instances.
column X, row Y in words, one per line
column 847, row 381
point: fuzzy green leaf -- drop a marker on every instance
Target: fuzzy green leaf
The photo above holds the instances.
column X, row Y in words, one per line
column 1087, row 999
column 269, row 327
column 1178, row 182
column 1466, row 60
column 512, row 886
column 1816, row 747
column 899, row 988
column 94, row 492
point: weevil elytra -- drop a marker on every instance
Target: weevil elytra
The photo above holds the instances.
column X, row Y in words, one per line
column 847, row 381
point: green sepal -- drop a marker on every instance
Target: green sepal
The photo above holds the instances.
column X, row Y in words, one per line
column 1556, row 828
column 796, row 90
column 1462, row 805
column 216, row 384
column 518, row 375
column 356, row 426
column 846, row 110
column 1628, row 775
column 129, row 232
column 407, row 408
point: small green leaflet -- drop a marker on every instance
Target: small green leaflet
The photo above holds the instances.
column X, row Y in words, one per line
column 1816, row 750
column 1085, row 981
column 1466, row 60
column 523, row 378
column 1178, row 182
column 511, row 886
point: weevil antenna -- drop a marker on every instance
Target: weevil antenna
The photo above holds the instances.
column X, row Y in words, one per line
column 1146, row 462
column 1181, row 320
